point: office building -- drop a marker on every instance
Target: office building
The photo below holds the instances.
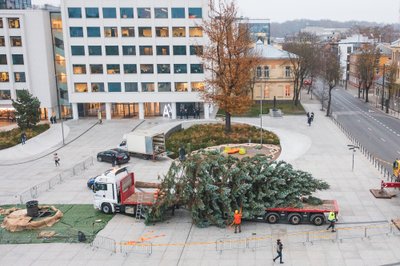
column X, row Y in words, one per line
column 15, row 4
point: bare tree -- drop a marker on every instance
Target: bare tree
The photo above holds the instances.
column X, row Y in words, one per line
column 367, row 63
column 330, row 73
column 230, row 58
column 303, row 59
column 390, row 78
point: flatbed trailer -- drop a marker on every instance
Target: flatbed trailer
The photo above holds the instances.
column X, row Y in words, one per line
column 314, row 214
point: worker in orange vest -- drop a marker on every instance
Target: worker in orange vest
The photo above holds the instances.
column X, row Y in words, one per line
column 237, row 220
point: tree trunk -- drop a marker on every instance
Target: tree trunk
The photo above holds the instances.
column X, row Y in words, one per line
column 366, row 94
column 359, row 91
column 228, row 128
column 328, row 109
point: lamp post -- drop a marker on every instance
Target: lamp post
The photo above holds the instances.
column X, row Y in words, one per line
column 353, row 148
column 383, row 86
column 261, row 111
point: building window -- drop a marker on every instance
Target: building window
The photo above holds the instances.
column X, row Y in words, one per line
column 3, row 59
column 181, row 86
column 163, row 69
column 162, row 50
column 130, row 69
column 164, row 86
column 112, row 50
column 114, row 87
column 196, row 68
column 81, row 87
column 177, row 12
column 5, row 95
column 147, row 86
column 195, row 32
column 128, row 32
column 287, row 72
column 110, row 32
column 1, row 23
column 94, row 49
column 143, row 12
column 161, row 12
column 75, row 31
column 128, row 50
column 109, row 12
column 162, row 32
column 131, row 87
column 98, row 87
column 93, row 32
column 195, row 12
column 180, row 68
column 146, row 69
column 16, row 41
column 113, row 69
column 146, row 50
column 13, row 23
column 197, row 86
column 96, row 69
column 145, row 32
column 19, row 77
column 92, row 12
column 2, row 41
column 348, row 49
column 79, row 69
column 126, row 12
column 77, row 50
column 178, row 31
column 4, row 77
column 74, row 12
column 287, row 90
column 258, row 72
column 18, row 59
column 196, row 50
column 179, row 50
column 266, row 71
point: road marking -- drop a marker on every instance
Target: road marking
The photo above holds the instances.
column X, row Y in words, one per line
column 383, row 139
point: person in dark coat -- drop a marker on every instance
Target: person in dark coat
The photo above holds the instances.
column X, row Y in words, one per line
column 279, row 249
column 23, row 137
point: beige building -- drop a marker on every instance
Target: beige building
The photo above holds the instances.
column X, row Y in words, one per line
column 274, row 76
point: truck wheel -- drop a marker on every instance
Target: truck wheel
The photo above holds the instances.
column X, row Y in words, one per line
column 106, row 208
column 99, row 159
column 317, row 219
column 294, row 218
column 272, row 218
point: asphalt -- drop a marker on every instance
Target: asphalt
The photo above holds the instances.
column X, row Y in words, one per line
column 320, row 149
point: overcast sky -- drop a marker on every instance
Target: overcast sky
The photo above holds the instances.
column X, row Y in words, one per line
column 385, row 11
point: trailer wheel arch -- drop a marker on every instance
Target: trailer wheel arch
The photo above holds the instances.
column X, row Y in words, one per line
column 317, row 219
column 271, row 217
column 106, row 208
column 294, row 218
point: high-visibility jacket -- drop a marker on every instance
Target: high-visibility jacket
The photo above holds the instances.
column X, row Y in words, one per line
column 237, row 218
column 332, row 217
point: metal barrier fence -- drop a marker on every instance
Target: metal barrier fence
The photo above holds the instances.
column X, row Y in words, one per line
column 34, row 191
column 105, row 243
column 137, row 248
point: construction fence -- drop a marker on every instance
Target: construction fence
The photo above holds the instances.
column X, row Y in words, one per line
column 34, row 191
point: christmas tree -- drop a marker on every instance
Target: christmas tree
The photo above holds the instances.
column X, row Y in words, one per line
column 212, row 185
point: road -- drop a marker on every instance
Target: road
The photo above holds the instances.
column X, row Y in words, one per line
column 377, row 132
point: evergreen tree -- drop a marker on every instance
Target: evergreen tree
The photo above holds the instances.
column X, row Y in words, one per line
column 26, row 109
column 212, row 186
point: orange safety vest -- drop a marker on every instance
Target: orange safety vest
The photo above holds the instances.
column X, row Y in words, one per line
column 237, row 218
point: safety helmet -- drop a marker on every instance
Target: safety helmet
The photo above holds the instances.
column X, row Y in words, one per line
column 236, row 211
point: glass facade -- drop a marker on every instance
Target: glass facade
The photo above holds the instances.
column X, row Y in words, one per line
column 161, row 12
column 92, row 12
column 126, row 12
column 94, row 49
column 109, row 12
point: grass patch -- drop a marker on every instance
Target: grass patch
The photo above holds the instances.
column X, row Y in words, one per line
column 76, row 218
column 13, row 137
column 287, row 108
column 202, row 136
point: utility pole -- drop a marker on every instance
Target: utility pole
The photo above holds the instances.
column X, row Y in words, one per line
column 261, row 111
column 383, row 87
column 353, row 148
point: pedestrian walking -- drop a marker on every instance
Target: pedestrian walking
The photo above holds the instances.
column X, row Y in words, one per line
column 99, row 117
column 332, row 220
column 198, row 112
column 23, row 138
column 309, row 120
column 237, row 221
column 279, row 249
column 56, row 159
column 312, row 116
column 114, row 160
column 51, row 120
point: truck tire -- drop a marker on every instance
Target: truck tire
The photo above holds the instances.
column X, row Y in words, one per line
column 294, row 218
column 99, row 159
column 106, row 208
column 272, row 218
column 317, row 219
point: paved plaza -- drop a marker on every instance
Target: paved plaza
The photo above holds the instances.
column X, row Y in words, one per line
column 320, row 149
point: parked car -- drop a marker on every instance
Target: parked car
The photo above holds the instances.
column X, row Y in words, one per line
column 307, row 82
column 111, row 155
column 121, row 151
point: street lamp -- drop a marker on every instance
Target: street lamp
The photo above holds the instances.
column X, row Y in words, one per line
column 261, row 112
column 353, row 148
